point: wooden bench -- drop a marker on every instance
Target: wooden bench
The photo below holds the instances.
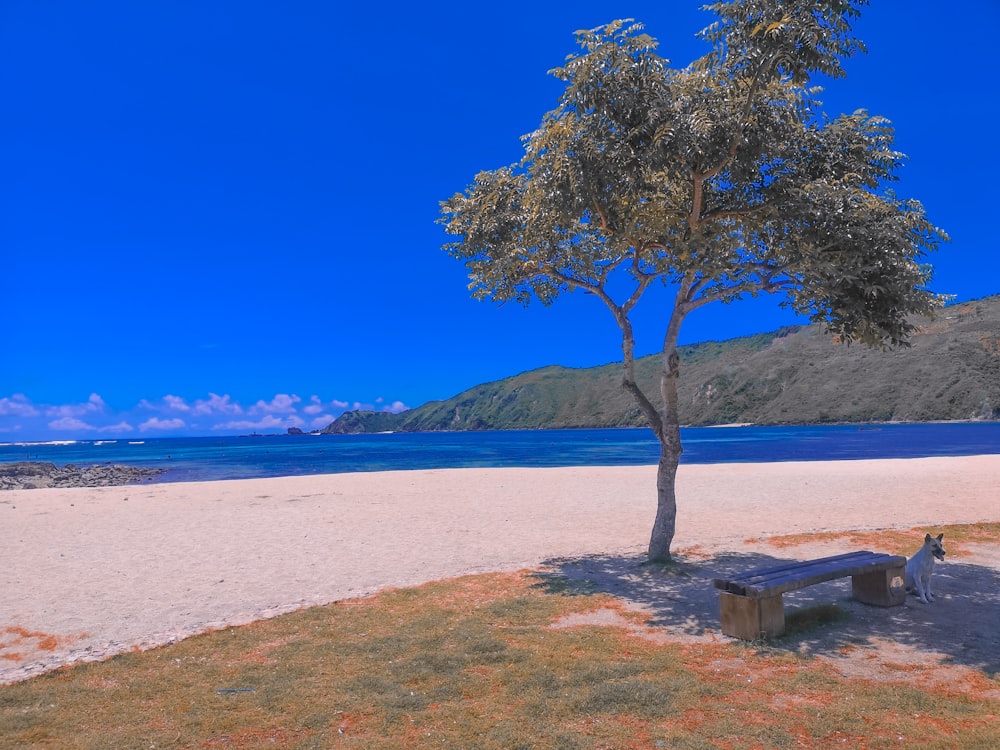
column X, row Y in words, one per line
column 751, row 602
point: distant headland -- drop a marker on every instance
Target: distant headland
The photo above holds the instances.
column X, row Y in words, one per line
column 795, row 375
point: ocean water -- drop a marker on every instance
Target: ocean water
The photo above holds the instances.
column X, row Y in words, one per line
column 207, row 458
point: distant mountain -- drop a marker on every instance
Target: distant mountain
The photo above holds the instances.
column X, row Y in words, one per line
column 796, row 375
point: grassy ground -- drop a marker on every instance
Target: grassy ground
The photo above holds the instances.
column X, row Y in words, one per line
column 479, row 662
column 901, row 541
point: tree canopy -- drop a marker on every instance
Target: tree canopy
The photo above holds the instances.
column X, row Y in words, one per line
column 722, row 179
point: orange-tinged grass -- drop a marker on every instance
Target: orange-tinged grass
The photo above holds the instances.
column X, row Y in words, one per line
column 902, row 541
column 16, row 642
column 474, row 662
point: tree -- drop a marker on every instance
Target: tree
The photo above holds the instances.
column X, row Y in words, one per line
column 719, row 179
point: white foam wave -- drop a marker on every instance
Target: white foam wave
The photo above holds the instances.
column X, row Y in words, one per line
column 45, row 442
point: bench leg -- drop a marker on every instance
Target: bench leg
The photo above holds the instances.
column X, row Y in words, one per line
column 883, row 588
column 750, row 619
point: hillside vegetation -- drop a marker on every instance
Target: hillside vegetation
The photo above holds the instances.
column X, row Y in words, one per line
column 796, row 375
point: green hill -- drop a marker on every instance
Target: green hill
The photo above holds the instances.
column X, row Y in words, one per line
column 796, row 375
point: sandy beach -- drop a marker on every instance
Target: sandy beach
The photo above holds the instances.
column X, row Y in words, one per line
column 89, row 572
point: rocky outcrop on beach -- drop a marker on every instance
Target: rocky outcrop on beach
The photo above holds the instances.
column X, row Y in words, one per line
column 30, row 475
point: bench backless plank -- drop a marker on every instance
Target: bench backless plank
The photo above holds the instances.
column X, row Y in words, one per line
column 752, row 606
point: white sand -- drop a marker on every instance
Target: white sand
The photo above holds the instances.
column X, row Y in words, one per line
column 109, row 569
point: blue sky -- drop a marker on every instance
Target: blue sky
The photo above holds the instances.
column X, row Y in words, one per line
column 218, row 217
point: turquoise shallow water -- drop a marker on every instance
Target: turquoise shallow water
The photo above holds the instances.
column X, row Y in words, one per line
column 191, row 459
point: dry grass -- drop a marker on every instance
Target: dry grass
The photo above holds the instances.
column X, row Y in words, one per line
column 901, row 541
column 475, row 662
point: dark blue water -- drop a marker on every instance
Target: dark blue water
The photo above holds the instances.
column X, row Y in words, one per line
column 189, row 459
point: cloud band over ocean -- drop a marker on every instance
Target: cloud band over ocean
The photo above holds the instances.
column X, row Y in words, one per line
column 22, row 419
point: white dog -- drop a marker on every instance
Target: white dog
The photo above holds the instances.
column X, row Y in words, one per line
column 920, row 567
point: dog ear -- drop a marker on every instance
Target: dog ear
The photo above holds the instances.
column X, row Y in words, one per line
column 927, row 538
column 940, row 537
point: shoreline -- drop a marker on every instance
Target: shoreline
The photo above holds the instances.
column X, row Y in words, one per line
column 320, row 433
column 103, row 570
column 218, row 458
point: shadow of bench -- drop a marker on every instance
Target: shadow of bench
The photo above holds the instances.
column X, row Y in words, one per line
column 751, row 603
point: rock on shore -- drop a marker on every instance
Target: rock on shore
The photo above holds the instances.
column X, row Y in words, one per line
column 30, row 475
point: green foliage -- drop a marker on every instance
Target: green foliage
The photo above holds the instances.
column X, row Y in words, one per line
column 717, row 177
column 794, row 38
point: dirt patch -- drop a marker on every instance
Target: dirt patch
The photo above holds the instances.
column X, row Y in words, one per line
column 19, row 644
column 962, row 540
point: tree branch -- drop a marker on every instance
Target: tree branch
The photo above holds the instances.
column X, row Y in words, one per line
column 767, row 283
column 735, row 213
column 640, row 288
column 697, row 197
column 620, row 312
column 755, row 85
column 577, row 283
column 604, row 218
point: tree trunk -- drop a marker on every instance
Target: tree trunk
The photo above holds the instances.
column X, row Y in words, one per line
column 669, row 433
column 665, row 424
column 665, row 522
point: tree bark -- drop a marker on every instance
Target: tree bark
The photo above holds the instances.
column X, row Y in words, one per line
column 665, row 522
column 666, row 423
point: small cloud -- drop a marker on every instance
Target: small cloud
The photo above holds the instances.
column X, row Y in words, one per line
column 162, row 424
column 117, row 428
column 396, row 407
column 315, row 406
column 176, row 403
column 93, row 404
column 71, row 424
column 321, row 421
column 216, row 404
column 18, row 405
column 282, row 403
column 269, row 422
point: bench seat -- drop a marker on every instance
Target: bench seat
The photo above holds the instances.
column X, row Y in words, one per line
column 751, row 603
